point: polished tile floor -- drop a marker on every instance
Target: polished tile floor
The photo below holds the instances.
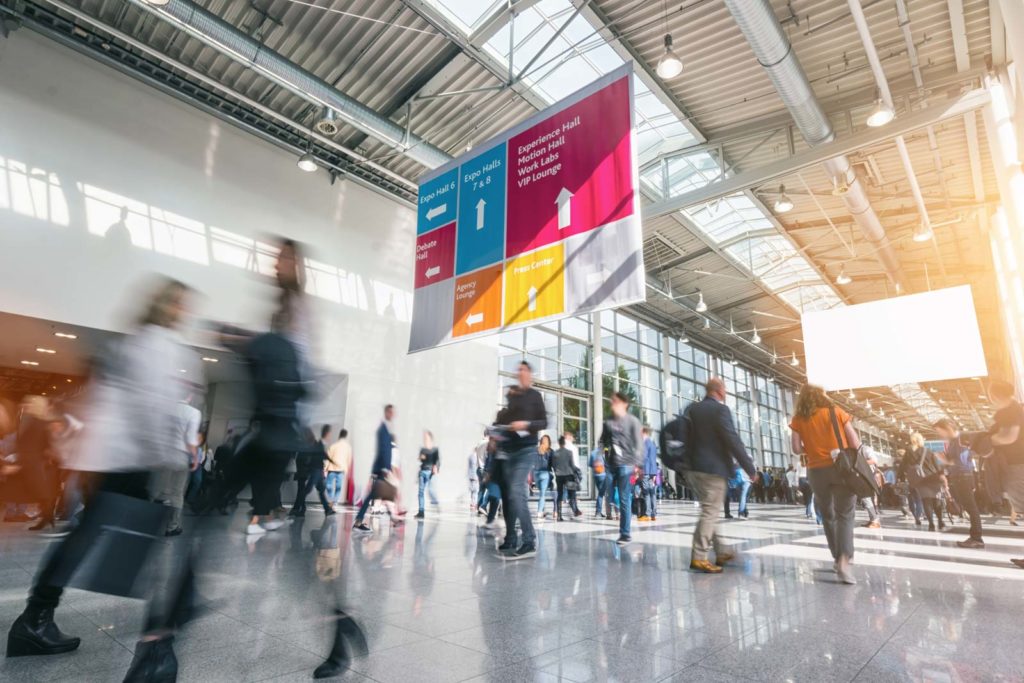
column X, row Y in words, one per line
column 438, row 605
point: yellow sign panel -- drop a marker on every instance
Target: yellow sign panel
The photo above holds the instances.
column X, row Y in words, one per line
column 535, row 285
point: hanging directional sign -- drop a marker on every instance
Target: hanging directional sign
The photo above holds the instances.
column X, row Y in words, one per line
column 540, row 223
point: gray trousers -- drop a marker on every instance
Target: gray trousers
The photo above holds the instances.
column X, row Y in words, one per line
column 169, row 486
column 1013, row 484
column 838, row 507
column 710, row 490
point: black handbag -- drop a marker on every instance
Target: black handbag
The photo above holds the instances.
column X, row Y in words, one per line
column 852, row 466
column 109, row 552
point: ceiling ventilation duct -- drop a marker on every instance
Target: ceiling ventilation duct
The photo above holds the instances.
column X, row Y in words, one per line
column 756, row 19
column 327, row 124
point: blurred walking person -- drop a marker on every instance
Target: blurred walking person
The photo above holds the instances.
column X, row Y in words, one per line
column 567, row 478
column 171, row 484
column 381, row 470
column 523, row 417
column 649, row 480
column 129, row 434
column 622, row 439
column 310, row 473
column 338, row 464
column 430, row 466
column 960, row 459
column 542, row 474
column 599, row 469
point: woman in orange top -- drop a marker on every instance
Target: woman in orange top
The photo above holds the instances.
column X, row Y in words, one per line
column 814, row 437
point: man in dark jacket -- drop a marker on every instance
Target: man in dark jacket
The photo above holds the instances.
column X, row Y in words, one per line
column 381, row 464
column 523, row 417
column 623, row 441
column 712, row 446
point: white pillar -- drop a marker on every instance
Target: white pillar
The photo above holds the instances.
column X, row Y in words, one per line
column 1007, row 224
column 1013, row 22
column 596, row 373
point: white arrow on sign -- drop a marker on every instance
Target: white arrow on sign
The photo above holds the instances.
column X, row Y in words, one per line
column 596, row 278
column 431, row 272
column 480, row 206
column 531, row 298
column 475, row 319
column 436, row 211
column 564, row 208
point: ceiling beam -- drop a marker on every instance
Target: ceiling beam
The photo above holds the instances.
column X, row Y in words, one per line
column 432, row 16
column 496, row 20
column 756, row 177
column 433, row 77
column 680, row 260
column 644, row 71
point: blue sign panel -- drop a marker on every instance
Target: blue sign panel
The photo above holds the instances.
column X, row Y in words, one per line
column 438, row 202
column 481, row 227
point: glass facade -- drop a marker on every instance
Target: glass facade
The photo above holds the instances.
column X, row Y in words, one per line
column 660, row 374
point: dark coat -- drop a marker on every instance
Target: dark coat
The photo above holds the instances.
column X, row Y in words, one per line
column 712, row 444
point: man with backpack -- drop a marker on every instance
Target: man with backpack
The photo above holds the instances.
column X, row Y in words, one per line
column 961, row 478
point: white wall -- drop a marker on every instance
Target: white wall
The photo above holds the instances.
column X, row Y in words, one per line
column 80, row 143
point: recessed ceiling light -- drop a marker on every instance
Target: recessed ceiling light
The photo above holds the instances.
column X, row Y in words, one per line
column 183, row 370
column 40, row 349
column 29, row 362
column 68, row 380
column 65, row 335
column 208, row 359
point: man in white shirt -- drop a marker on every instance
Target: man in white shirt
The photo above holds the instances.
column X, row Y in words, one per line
column 793, row 484
column 175, row 481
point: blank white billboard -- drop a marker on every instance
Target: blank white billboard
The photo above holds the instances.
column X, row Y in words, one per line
column 916, row 338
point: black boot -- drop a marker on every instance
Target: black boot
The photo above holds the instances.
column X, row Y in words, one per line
column 154, row 662
column 34, row 633
column 346, row 629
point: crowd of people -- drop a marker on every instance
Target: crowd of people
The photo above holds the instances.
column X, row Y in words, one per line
column 137, row 442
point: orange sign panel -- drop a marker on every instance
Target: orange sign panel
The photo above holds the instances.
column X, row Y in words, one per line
column 477, row 301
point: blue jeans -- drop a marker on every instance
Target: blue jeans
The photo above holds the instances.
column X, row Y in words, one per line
column 515, row 493
column 335, row 486
column 744, row 492
column 425, row 477
column 650, row 492
column 195, row 484
column 543, row 479
column 600, row 489
column 622, row 474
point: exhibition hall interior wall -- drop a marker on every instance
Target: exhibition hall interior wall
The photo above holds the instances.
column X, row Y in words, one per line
column 103, row 181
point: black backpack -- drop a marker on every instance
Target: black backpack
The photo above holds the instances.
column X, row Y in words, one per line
column 673, row 444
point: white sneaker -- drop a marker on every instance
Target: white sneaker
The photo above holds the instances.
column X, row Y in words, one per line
column 846, row 577
column 272, row 525
column 254, row 530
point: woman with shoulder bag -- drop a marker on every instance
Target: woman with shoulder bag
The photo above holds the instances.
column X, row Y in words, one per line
column 928, row 478
column 815, row 437
column 566, row 479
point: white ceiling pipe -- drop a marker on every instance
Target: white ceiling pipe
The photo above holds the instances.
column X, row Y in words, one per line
column 861, row 22
column 757, row 20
